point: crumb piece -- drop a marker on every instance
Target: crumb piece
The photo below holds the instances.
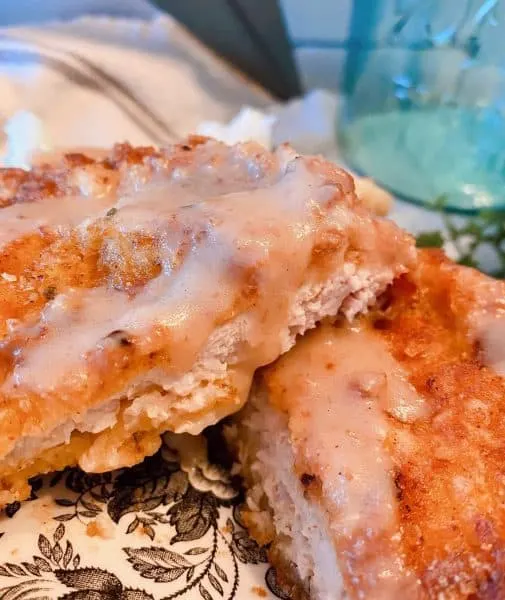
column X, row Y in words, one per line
column 98, row 528
column 228, row 528
column 50, row 293
column 259, row 591
column 375, row 197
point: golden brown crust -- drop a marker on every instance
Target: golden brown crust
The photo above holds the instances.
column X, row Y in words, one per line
column 99, row 252
column 454, row 536
column 440, row 470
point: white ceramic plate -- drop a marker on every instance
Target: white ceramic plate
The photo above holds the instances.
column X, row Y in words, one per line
column 155, row 531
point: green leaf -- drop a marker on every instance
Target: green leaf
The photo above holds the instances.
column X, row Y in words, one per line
column 430, row 239
column 468, row 261
column 469, row 236
column 439, row 202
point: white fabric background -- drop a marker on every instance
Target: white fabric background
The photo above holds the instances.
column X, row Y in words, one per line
column 178, row 82
column 16, row 12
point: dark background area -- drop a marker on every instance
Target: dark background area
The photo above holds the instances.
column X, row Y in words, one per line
column 248, row 33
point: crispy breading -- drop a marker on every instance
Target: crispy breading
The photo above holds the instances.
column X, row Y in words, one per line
column 140, row 290
column 386, row 438
column 451, row 483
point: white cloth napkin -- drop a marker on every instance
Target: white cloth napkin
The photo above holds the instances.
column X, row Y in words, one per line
column 96, row 81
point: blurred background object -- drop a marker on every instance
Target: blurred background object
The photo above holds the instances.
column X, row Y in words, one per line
column 425, row 91
column 97, row 80
column 425, row 100
column 423, row 79
column 24, row 12
column 248, row 33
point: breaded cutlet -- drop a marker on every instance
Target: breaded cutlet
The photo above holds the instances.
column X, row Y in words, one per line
column 373, row 452
column 140, row 290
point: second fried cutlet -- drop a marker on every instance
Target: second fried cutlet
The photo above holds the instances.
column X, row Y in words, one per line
column 374, row 452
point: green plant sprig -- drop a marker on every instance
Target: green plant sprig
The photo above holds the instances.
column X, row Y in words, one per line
column 486, row 228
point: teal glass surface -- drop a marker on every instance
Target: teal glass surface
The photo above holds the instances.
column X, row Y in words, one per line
column 425, row 108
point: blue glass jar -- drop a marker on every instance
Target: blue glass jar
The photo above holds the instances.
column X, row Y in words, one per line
column 425, row 109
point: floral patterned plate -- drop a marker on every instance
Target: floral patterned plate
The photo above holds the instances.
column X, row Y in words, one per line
column 168, row 528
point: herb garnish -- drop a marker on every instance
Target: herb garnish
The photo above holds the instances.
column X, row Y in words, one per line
column 430, row 239
column 484, row 230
